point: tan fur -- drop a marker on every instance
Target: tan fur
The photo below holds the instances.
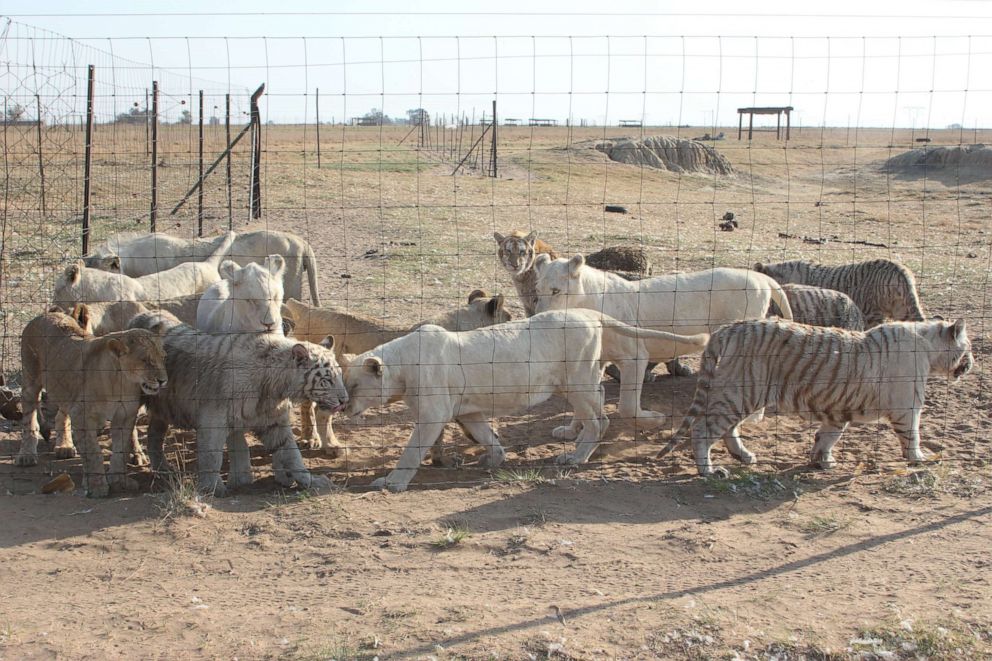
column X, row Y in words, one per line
column 91, row 380
column 112, row 317
column 355, row 334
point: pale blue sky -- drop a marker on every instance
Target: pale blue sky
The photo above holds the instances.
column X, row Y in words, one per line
column 870, row 63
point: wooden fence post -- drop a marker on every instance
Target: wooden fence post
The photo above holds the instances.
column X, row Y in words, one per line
column 493, row 159
column 88, row 157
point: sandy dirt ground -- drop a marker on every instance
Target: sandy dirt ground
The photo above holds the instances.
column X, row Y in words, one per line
column 626, row 557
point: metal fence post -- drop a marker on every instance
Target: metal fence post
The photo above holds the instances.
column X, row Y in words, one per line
column 227, row 125
column 199, row 200
column 154, row 206
column 318, row 127
column 41, row 159
column 88, row 157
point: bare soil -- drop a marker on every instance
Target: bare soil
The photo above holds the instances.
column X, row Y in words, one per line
column 626, row 557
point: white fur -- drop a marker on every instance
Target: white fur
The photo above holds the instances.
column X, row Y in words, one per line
column 247, row 299
column 82, row 284
column 474, row 375
column 151, row 253
column 697, row 302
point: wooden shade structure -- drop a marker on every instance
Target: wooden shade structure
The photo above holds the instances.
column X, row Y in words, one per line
column 770, row 110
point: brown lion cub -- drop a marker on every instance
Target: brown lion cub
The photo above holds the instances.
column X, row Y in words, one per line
column 90, row 379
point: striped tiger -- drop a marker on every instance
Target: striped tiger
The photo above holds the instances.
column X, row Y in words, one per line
column 827, row 375
column 820, row 307
column 881, row 288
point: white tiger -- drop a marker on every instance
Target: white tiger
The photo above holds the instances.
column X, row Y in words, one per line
column 882, row 289
column 225, row 385
column 827, row 375
column 817, row 306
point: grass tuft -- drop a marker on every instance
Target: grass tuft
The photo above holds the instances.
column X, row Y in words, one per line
column 181, row 498
column 454, row 534
column 519, row 476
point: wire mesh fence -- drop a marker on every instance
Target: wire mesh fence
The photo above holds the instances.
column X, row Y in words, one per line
column 397, row 159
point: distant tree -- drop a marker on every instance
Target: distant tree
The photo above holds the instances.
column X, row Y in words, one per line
column 133, row 116
column 15, row 113
column 214, row 120
column 376, row 117
column 416, row 116
column 186, row 117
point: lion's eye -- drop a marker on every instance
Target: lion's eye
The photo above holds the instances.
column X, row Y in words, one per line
column 555, row 291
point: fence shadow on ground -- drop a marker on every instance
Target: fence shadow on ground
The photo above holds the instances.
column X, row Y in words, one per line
column 778, row 570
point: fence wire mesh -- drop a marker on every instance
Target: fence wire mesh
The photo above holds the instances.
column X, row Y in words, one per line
column 396, row 160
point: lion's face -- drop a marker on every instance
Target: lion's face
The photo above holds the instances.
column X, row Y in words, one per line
column 557, row 280
column 142, row 359
column 369, row 384
column 258, row 290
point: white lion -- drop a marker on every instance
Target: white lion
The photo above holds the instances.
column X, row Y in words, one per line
column 697, row 302
column 82, row 284
column 145, row 254
column 247, row 299
column 472, row 376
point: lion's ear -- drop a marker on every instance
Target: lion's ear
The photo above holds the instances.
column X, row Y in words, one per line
column 958, row 329
column 74, row 272
column 328, row 342
column 228, row 269
column 542, row 260
column 113, row 263
column 373, row 365
column 117, row 347
column 759, row 267
column 276, row 265
column 81, row 313
column 494, row 305
column 574, row 265
column 477, row 293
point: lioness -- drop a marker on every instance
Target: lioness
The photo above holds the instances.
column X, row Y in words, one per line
column 90, row 379
column 474, row 375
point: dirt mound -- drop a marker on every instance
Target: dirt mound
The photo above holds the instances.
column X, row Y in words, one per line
column 667, row 153
column 972, row 161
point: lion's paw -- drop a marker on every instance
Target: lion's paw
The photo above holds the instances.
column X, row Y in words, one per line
column 564, row 433
column 65, row 452
column 25, row 459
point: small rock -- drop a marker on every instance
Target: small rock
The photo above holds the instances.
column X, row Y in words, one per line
column 728, row 216
column 615, row 208
column 972, row 255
